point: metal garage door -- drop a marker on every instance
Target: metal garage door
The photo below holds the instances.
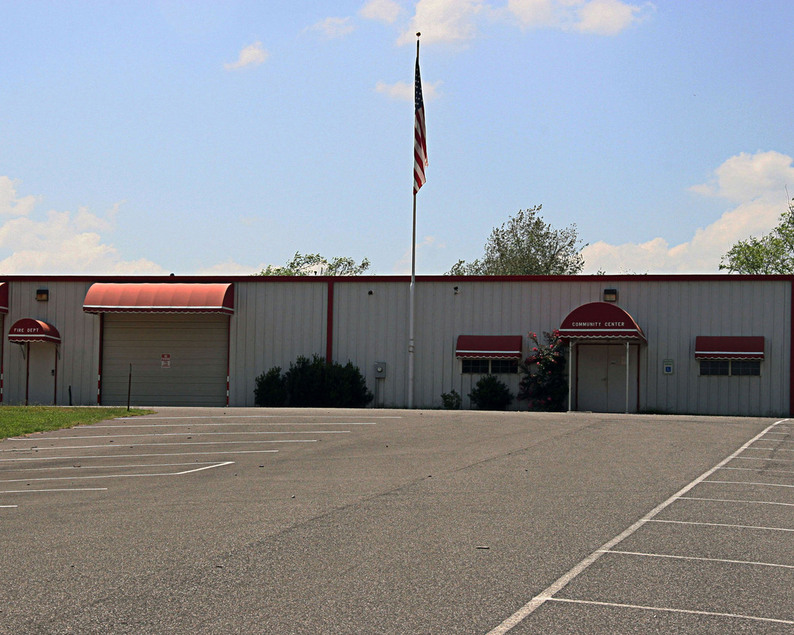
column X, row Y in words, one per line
column 176, row 359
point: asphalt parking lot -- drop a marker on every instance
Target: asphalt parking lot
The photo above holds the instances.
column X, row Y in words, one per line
column 390, row 521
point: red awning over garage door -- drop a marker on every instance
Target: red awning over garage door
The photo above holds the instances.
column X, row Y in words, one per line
column 600, row 320
column 105, row 297
column 3, row 297
column 489, row 347
column 30, row 330
column 738, row 347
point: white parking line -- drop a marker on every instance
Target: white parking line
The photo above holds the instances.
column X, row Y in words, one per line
column 561, row 582
column 749, row 483
column 672, row 610
column 778, row 449
column 692, row 522
column 98, row 476
column 673, row 557
column 106, row 467
column 8, row 506
column 228, row 417
column 732, row 500
column 59, row 489
column 232, row 425
column 132, row 456
column 141, row 445
column 180, row 434
column 757, row 469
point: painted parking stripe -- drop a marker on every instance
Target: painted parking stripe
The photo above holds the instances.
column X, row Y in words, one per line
column 227, row 417
column 692, row 522
column 732, row 500
column 676, row 557
column 180, row 434
column 667, row 609
column 750, row 483
column 555, row 587
column 233, row 425
column 132, row 456
column 8, row 506
column 98, row 476
column 141, row 445
column 58, row 489
column 106, row 467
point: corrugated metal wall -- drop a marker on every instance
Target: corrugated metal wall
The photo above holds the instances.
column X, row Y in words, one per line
column 275, row 321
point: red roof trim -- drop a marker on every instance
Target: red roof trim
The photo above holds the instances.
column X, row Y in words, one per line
column 729, row 347
column 3, row 297
column 30, row 330
column 104, row 297
column 600, row 320
column 489, row 347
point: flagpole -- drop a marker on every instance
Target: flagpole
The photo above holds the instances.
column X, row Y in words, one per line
column 412, row 287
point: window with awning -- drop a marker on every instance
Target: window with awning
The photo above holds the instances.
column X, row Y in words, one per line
column 489, row 347
column 105, row 297
column 30, row 330
column 729, row 347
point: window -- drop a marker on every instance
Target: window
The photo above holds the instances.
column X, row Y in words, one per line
column 489, row 366
column 733, row 367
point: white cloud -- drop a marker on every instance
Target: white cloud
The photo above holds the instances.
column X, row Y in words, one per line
column 334, row 27
column 252, row 55
column 444, row 21
column 60, row 242
column 10, row 204
column 754, row 182
column 403, row 91
column 382, row 10
column 606, row 17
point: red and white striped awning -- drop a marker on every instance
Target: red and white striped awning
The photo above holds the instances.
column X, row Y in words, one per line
column 3, row 297
column 489, row 347
column 729, row 347
column 602, row 321
column 105, row 297
column 30, row 330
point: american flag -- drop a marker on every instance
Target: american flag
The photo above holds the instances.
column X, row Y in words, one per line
column 420, row 135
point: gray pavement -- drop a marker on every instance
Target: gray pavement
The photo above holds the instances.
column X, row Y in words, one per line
column 388, row 521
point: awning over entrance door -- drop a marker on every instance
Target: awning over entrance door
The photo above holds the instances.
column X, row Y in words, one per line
column 600, row 321
column 30, row 330
column 3, row 297
column 738, row 347
column 489, row 347
column 105, row 297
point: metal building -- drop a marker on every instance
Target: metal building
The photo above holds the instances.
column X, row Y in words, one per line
column 717, row 344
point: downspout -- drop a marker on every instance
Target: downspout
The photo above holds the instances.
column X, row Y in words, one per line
column 101, row 355
column 329, row 324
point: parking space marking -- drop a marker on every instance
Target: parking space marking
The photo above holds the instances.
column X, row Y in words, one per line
column 732, row 500
column 667, row 609
column 181, row 434
column 131, row 456
column 97, row 476
column 677, row 557
column 750, row 483
column 236, row 425
column 8, row 506
column 57, row 489
column 105, row 467
column 755, row 469
column 561, row 582
column 227, row 417
column 691, row 522
column 141, row 445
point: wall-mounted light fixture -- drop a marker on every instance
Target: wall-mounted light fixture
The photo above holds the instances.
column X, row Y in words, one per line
column 456, row 290
column 42, row 295
column 610, row 295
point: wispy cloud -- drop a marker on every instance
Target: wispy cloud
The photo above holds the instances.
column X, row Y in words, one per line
column 333, row 28
column 754, row 183
column 381, row 10
column 403, row 91
column 251, row 55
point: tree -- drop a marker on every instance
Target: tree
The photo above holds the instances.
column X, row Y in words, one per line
column 543, row 382
column 527, row 245
column 315, row 264
column 771, row 253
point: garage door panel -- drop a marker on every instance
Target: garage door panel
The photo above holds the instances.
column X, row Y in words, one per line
column 176, row 359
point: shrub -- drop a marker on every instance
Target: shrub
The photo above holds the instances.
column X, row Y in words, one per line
column 313, row 383
column 271, row 389
column 491, row 394
column 543, row 382
column 451, row 400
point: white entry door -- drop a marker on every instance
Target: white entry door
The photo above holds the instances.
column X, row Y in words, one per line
column 41, row 374
column 601, row 378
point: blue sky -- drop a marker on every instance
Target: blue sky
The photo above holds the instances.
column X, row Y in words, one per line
column 219, row 137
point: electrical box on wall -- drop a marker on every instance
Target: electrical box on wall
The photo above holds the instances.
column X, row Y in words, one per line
column 380, row 369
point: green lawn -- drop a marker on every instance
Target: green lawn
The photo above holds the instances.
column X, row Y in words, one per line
column 18, row 420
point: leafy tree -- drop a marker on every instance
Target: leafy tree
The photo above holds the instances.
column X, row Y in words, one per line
column 315, row 264
column 527, row 245
column 769, row 254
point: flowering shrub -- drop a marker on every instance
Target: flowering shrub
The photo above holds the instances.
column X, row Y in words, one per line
column 543, row 380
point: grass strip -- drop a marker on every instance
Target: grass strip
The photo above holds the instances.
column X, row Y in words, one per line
column 19, row 420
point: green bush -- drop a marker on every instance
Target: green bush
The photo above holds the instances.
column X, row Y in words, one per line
column 543, row 379
column 451, row 400
column 271, row 388
column 313, row 383
column 491, row 394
